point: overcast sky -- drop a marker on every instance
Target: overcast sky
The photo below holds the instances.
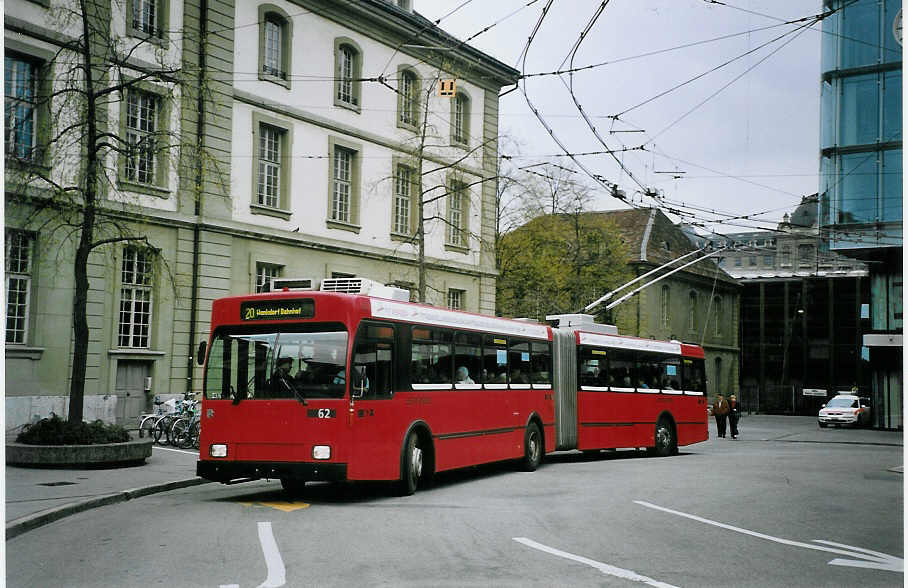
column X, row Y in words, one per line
column 762, row 129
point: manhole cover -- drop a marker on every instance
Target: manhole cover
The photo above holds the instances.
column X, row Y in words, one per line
column 57, row 484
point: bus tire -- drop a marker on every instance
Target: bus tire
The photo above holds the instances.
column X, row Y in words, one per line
column 533, row 448
column 412, row 464
column 666, row 443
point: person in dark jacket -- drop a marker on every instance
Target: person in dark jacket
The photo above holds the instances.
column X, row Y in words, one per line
column 720, row 411
column 733, row 414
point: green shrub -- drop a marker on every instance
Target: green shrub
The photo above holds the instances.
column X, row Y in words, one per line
column 56, row 431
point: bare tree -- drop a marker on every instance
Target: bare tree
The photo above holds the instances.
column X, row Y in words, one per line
column 563, row 254
column 94, row 75
column 431, row 186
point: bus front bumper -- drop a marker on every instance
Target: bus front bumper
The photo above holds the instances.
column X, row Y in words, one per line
column 228, row 471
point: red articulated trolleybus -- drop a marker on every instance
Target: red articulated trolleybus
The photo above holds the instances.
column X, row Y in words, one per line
column 304, row 385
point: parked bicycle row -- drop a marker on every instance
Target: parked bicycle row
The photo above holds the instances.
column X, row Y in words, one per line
column 174, row 422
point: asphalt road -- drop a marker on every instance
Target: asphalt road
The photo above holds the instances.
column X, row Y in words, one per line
column 776, row 507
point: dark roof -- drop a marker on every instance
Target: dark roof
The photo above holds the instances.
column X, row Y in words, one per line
column 664, row 240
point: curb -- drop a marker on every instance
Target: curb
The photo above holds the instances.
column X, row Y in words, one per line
column 44, row 517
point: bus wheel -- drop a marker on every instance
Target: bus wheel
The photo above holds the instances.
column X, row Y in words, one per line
column 666, row 443
column 532, row 448
column 412, row 465
column 293, row 486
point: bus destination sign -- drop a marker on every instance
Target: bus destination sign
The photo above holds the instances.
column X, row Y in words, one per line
column 271, row 310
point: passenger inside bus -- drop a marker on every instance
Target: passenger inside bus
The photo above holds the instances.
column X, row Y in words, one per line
column 462, row 376
column 518, row 377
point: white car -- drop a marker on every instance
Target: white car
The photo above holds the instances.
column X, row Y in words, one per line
column 845, row 409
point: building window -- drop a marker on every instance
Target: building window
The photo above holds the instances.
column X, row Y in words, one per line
column 147, row 19
column 666, row 305
column 264, row 273
column 460, row 118
column 456, row 298
column 892, row 186
column 805, row 255
column 18, row 285
column 271, row 149
column 407, row 99
column 738, row 261
column 692, row 312
column 269, row 158
column 859, row 110
column 753, row 261
column 141, row 132
column 769, row 260
column 717, row 302
column 21, row 107
column 348, row 71
column 272, row 60
column 860, row 34
column 274, row 45
column 343, row 185
column 785, row 260
column 135, row 298
column 458, row 203
column 403, row 201
column 144, row 16
column 858, row 187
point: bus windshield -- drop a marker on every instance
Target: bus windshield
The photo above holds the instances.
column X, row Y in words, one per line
column 302, row 362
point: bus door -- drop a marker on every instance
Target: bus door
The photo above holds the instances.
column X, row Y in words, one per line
column 375, row 439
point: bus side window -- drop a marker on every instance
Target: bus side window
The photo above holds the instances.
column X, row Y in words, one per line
column 495, row 360
column 541, row 358
column 519, row 362
column 670, row 373
column 621, row 368
column 467, row 359
column 693, row 374
column 593, row 367
column 431, row 360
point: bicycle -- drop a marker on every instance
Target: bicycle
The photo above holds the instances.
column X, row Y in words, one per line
column 164, row 424
column 147, row 421
column 185, row 430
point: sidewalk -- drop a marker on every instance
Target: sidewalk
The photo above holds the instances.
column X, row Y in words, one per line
column 804, row 429
column 37, row 496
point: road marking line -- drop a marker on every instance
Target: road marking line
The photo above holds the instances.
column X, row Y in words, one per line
column 877, row 560
column 277, row 574
column 281, row 506
column 604, row 568
column 229, row 586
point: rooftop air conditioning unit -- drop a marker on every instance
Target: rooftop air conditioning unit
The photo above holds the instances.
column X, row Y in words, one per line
column 279, row 284
column 364, row 286
column 581, row 322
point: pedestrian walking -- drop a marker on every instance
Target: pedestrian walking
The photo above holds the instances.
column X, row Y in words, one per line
column 720, row 411
column 733, row 415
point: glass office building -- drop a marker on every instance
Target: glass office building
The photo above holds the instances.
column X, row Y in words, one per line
column 861, row 174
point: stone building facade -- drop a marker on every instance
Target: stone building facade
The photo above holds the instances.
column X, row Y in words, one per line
column 699, row 304
column 293, row 138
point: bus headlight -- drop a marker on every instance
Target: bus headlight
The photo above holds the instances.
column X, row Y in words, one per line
column 321, row 452
column 218, row 450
